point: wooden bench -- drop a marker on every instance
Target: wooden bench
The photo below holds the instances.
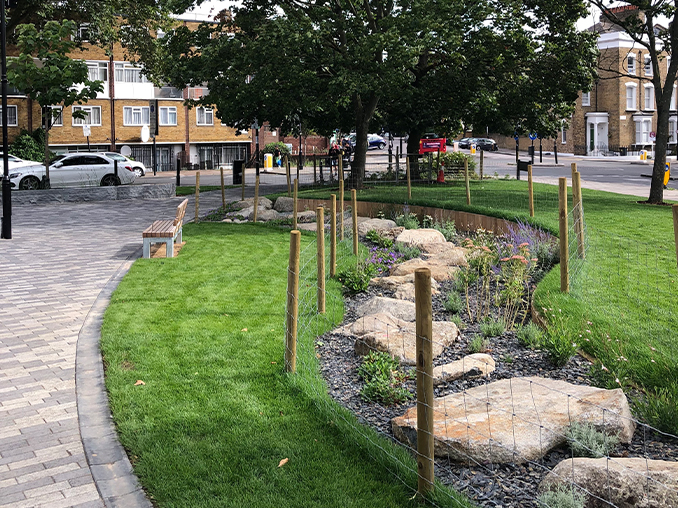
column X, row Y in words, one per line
column 165, row 231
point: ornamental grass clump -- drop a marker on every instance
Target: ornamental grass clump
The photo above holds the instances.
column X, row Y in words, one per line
column 659, row 408
column 491, row 328
column 384, row 381
column 558, row 342
column 453, row 303
column 530, row 336
column 514, row 271
column 407, row 220
column 562, row 497
column 586, row 441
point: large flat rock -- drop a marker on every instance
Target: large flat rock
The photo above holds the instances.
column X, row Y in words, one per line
column 378, row 225
column 516, row 420
column 440, row 270
column 384, row 332
column 447, row 253
column 476, row 364
column 400, row 309
column 392, row 283
column 416, row 237
column 284, row 204
column 264, row 204
column 624, row 483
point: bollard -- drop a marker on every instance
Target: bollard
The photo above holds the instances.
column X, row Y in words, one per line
column 115, row 172
column 354, row 202
column 197, row 196
column 223, row 191
column 320, row 242
column 530, row 189
column 424, row 352
column 256, row 197
column 295, row 204
column 333, row 236
column 292, row 303
column 562, row 218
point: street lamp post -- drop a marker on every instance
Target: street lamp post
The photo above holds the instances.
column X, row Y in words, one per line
column 6, row 227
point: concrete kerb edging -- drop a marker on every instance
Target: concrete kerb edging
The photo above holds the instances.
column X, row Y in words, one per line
column 89, row 194
column 108, row 462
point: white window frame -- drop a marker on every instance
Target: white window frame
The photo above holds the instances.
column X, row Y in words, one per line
column 57, row 121
column 207, row 113
column 673, row 99
column 634, row 105
column 170, row 110
column 129, row 113
column 124, row 72
column 586, row 98
column 83, row 28
column 673, row 126
column 11, row 122
column 86, row 121
column 647, row 65
column 631, row 64
column 648, row 97
column 97, row 71
column 643, row 129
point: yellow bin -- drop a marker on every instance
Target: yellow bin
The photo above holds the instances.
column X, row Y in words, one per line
column 667, row 173
column 268, row 161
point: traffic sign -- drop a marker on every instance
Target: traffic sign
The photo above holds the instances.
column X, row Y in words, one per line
column 653, row 135
column 533, row 136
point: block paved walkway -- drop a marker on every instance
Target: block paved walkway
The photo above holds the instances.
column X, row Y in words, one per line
column 53, row 269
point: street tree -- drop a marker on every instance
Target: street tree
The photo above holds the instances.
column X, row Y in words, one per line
column 640, row 20
column 45, row 72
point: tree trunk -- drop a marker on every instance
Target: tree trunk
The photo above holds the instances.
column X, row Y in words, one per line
column 657, row 184
column 414, row 136
column 364, row 110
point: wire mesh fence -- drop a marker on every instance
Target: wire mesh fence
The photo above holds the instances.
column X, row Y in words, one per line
column 517, row 442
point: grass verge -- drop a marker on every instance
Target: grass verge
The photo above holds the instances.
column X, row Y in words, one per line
column 216, row 415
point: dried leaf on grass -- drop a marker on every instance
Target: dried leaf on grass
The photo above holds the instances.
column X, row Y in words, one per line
column 139, row 382
column 283, row 462
column 244, row 330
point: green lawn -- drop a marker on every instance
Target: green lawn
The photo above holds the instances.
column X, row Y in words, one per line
column 624, row 297
column 205, row 333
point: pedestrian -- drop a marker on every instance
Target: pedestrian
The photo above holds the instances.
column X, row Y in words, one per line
column 278, row 157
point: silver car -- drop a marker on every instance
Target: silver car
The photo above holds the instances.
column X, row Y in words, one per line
column 138, row 167
column 74, row 170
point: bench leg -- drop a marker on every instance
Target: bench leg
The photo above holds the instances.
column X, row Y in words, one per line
column 169, row 248
column 179, row 236
column 147, row 248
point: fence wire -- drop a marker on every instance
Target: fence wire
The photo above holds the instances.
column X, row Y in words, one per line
column 496, row 448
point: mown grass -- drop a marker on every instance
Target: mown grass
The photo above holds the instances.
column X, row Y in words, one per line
column 205, row 333
column 623, row 304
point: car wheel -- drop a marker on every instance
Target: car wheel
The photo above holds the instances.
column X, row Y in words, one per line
column 382, row 146
column 138, row 172
column 109, row 181
column 29, row 183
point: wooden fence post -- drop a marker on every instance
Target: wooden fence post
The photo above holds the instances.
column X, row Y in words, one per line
column 341, row 204
column 333, row 236
column 287, row 172
column 256, row 197
column 424, row 352
column 320, row 242
column 295, row 204
column 675, row 228
column 564, row 251
column 578, row 214
column 409, row 181
column 354, row 203
column 223, row 192
column 482, row 163
column 530, row 189
column 197, row 197
column 466, row 181
column 292, row 303
column 340, row 166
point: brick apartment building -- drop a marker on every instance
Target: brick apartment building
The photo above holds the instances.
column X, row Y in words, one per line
column 619, row 113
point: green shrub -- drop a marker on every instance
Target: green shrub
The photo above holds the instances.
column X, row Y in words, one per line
column 454, row 302
column 447, row 228
column 659, row 408
column 356, row 279
column 384, row 381
column 530, row 336
column 454, row 161
column 586, row 441
column 284, row 149
column 407, row 251
column 374, row 237
column 407, row 221
column 491, row 328
column 562, row 497
column 456, row 319
column 27, row 147
column 478, row 344
column 560, row 349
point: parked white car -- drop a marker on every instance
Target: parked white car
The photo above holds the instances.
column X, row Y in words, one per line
column 138, row 167
column 73, row 170
column 15, row 162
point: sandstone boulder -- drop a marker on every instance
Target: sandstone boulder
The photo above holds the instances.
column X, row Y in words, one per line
column 416, row 237
column 378, row 225
column 264, row 215
column 306, row 216
column 440, row 270
column 264, row 203
column 382, row 305
column 624, row 483
column 480, row 423
column 284, row 204
column 477, row 364
column 392, row 283
column 384, row 332
column 447, row 253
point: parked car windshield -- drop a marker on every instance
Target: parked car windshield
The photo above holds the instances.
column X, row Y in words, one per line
column 56, row 159
column 116, row 156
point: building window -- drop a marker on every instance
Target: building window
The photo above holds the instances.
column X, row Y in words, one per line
column 648, row 66
column 673, row 126
column 128, row 73
column 97, row 71
column 12, row 120
column 93, row 115
column 205, row 116
column 83, row 32
column 57, row 121
column 649, row 97
column 168, row 116
column 631, row 94
column 643, row 128
column 136, row 115
column 673, row 99
column 631, row 64
column 563, row 133
column 586, row 98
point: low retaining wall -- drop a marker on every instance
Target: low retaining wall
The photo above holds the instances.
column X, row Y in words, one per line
column 463, row 221
column 88, row 194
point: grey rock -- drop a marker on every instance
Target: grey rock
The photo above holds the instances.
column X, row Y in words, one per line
column 264, row 215
column 264, row 204
column 381, row 305
column 477, row 364
column 416, row 237
column 284, row 204
column 378, row 225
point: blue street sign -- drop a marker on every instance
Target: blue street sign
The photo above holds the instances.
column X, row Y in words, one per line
column 533, row 136
column 515, row 136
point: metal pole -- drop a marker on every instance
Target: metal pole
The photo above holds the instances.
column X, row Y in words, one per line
column 555, row 150
column 155, row 159
column 540, row 150
column 256, row 164
column 88, row 144
column 115, row 169
column 178, row 171
column 6, row 229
